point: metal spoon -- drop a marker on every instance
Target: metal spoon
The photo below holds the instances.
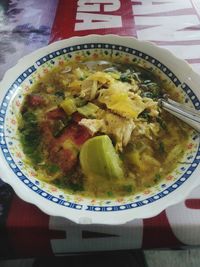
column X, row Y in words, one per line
column 186, row 114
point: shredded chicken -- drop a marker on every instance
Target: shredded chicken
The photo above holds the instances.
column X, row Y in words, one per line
column 93, row 125
column 89, row 89
column 111, row 124
column 120, row 128
column 146, row 129
column 124, row 105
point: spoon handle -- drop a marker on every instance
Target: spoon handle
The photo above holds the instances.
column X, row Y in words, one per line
column 186, row 114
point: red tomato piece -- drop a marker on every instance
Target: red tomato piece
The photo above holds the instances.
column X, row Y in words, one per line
column 81, row 135
column 56, row 114
column 35, row 100
column 77, row 117
column 66, row 159
column 76, row 133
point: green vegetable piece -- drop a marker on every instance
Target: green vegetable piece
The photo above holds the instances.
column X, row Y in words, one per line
column 162, row 123
column 128, row 188
column 147, row 94
column 58, row 127
column 126, row 76
column 161, row 147
column 30, row 137
column 76, row 187
column 110, row 194
column 51, row 168
column 157, row 177
column 88, row 110
column 145, row 115
column 99, row 158
column 36, row 157
column 68, row 105
column 30, row 119
column 60, row 94
column 80, row 102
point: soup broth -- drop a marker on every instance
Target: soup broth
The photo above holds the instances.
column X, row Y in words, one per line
column 97, row 130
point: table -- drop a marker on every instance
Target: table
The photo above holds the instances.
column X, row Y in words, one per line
column 25, row 231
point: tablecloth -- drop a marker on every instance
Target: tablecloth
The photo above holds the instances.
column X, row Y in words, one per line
column 25, row 231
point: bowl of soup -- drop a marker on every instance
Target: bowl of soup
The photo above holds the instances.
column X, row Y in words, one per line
column 82, row 134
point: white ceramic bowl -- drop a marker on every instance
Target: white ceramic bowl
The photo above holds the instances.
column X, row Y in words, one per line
column 14, row 170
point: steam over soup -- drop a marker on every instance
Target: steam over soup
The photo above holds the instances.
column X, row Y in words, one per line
column 97, row 129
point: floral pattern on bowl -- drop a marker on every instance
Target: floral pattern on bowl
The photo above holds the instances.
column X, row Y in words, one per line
column 77, row 208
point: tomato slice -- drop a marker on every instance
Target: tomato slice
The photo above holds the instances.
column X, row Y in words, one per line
column 35, row 100
column 56, row 114
column 59, row 152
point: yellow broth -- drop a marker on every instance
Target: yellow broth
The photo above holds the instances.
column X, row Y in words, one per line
column 76, row 102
